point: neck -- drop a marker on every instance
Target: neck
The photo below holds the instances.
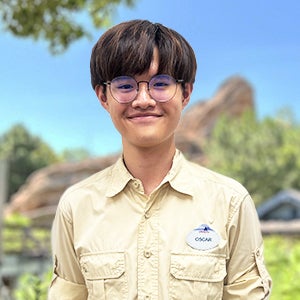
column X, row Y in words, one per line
column 150, row 165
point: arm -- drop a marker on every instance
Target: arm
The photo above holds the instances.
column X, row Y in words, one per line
column 67, row 282
column 247, row 277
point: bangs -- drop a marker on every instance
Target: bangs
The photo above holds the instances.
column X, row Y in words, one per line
column 131, row 56
column 127, row 49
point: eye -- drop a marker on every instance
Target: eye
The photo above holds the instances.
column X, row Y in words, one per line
column 161, row 82
column 124, row 86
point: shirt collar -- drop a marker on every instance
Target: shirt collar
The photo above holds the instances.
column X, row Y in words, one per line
column 178, row 176
column 119, row 177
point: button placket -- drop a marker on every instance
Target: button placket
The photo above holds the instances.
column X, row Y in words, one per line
column 148, row 251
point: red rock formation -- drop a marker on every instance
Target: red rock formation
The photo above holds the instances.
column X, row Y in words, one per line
column 234, row 97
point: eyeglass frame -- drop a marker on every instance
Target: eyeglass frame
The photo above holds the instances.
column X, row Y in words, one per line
column 176, row 81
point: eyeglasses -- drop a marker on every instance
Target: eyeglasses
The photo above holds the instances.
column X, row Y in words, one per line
column 162, row 88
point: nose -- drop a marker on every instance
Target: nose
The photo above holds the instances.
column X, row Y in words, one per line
column 143, row 98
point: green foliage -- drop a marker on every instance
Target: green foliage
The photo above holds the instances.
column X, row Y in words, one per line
column 20, row 236
column 33, row 287
column 17, row 220
column 282, row 255
column 56, row 21
column 263, row 155
column 76, row 154
column 13, row 232
column 25, row 153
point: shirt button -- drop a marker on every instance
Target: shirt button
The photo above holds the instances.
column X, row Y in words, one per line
column 147, row 297
column 147, row 215
column 147, row 254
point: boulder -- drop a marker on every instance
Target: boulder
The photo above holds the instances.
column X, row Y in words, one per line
column 44, row 187
column 233, row 98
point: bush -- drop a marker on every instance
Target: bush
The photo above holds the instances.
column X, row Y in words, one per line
column 282, row 255
column 33, row 287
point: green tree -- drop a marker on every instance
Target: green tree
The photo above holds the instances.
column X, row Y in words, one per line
column 33, row 287
column 263, row 155
column 59, row 22
column 75, row 154
column 25, row 153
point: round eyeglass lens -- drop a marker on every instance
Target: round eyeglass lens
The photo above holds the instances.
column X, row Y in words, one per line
column 162, row 87
column 123, row 88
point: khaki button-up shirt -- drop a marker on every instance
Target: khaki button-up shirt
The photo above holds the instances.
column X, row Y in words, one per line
column 196, row 236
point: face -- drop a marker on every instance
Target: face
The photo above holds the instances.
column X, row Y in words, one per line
column 144, row 122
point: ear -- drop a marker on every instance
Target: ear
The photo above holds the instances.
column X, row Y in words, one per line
column 187, row 91
column 99, row 90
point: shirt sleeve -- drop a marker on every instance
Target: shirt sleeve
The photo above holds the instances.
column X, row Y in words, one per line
column 67, row 281
column 247, row 276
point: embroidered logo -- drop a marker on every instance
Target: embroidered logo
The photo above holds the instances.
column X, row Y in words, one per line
column 203, row 238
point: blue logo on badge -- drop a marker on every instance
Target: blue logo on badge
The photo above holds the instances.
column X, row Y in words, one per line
column 204, row 228
column 203, row 238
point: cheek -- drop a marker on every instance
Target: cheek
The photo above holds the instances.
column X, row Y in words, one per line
column 115, row 111
column 174, row 117
column 113, row 107
column 115, row 115
column 176, row 109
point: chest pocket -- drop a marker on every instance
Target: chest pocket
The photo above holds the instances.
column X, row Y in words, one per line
column 104, row 275
column 197, row 277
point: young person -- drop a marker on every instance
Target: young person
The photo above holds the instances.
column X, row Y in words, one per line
column 153, row 225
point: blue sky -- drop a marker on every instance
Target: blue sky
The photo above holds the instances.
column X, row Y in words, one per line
column 52, row 96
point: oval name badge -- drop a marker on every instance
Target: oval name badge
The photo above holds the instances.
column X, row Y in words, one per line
column 203, row 238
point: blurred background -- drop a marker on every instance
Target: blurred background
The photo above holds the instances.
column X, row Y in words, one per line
column 243, row 119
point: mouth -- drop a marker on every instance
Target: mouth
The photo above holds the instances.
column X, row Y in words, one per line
column 148, row 116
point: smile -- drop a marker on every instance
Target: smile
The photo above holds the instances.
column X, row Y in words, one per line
column 144, row 116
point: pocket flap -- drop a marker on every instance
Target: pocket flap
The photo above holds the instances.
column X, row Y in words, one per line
column 97, row 266
column 204, row 267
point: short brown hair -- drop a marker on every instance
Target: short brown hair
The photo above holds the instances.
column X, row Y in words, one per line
column 127, row 49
